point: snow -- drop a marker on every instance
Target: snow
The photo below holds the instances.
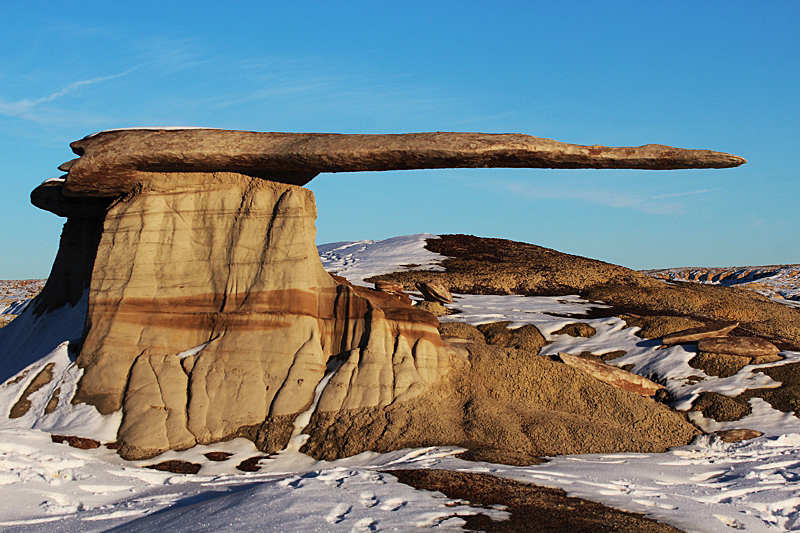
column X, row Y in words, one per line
column 359, row 260
column 708, row 486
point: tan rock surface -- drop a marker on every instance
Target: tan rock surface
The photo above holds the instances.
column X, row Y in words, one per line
column 508, row 403
column 695, row 334
column 612, row 375
column 476, row 265
column 113, row 162
column 743, row 346
column 210, row 312
column 435, row 291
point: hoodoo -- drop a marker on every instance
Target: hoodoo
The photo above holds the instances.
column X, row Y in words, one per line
column 209, row 313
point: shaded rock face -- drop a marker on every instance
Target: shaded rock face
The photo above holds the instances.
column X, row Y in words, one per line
column 209, row 311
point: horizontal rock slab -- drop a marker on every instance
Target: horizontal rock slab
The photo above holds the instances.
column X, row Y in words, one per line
column 612, row 375
column 389, row 286
column 49, row 197
column 112, row 162
column 695, row 334
column 743, row 346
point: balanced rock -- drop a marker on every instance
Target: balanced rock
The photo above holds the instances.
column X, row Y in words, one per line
column 435, row 291
column 204, row 312
column 743, row 346
column 696, row 334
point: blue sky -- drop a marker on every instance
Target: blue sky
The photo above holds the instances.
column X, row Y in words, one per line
column 717, row 75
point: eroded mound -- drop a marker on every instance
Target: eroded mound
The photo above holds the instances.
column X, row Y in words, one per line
column 476, row 265
column 511, row 405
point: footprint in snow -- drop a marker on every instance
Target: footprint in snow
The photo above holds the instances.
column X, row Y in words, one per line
column 365, row 524
column 368, row 499
column 393, row 504
column 339, row 513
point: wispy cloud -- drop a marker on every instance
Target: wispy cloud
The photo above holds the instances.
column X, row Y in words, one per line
column 24, row 107
column 659, row 204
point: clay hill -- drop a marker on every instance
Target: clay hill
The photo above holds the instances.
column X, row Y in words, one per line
column 200, row 311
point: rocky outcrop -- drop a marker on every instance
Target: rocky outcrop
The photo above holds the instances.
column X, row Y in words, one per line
column 113, row 162
column 209, row 314
column 209, row 311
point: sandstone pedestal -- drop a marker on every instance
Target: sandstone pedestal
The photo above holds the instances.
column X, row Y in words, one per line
column 209, row 313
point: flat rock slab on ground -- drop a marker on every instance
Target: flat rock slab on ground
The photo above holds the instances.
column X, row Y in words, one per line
column 612, row 375
column 744, row 346
column 696, row 334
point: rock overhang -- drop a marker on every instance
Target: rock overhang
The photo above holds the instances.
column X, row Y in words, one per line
column 111, row 163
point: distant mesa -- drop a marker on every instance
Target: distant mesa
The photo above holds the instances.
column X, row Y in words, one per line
column 189, row 257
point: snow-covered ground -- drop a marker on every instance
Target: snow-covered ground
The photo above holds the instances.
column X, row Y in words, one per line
column 709, row 486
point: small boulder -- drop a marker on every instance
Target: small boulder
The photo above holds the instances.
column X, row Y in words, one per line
column 721, row 408
column 461, row 331
column 612, row 375
column 743, row 346
column 496, row 333
column 435, row 291
column 726, row 365
column 577, row 329
column 389, row 286
column 527, row 338
column 696, row 334
column 434, row 308
column 737, row 435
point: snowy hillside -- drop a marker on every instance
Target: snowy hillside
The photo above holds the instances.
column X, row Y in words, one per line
column 781, row 283
column 709, row 486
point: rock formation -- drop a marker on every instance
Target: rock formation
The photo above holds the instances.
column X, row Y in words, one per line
column 209, row 313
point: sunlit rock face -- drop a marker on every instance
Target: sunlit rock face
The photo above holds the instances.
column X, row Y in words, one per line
column 210, row 311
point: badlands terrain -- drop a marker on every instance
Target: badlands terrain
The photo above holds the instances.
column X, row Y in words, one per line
column 527, row 410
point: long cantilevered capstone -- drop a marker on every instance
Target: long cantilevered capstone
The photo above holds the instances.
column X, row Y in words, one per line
column 112, row 162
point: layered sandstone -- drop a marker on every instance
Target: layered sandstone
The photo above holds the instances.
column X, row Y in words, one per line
column 209, row 313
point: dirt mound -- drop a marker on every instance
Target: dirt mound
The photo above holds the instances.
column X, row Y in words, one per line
column 551, row 510
column 476, row 265
column 511, row 405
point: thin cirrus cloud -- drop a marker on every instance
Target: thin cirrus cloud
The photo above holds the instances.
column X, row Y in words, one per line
column 25, row 108
column 660, row 204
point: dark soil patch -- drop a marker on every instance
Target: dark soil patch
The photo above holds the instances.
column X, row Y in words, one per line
column 217, row 456
column 251, row 464
column 76, row 442
column 532, row 508
column 176, row 466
